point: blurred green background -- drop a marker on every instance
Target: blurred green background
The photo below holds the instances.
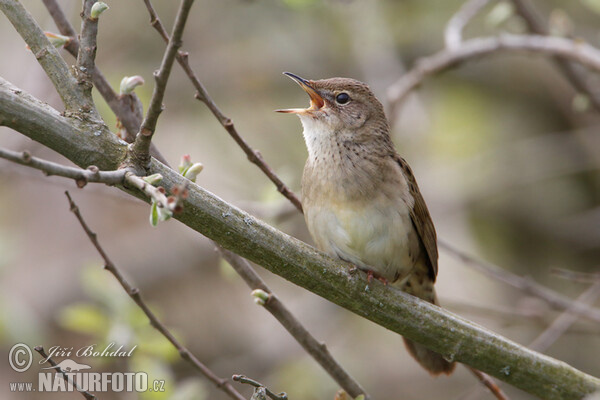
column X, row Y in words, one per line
column 506, row 153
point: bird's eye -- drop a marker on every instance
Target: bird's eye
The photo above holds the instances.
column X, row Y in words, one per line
column 342, row 98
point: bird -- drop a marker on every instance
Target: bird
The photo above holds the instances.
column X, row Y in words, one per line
column 360, row 199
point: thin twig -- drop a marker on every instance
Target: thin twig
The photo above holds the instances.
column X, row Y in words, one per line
column 578, row 78
column 86, row 57
column 254, row 156
column 456, row 24
column 576, row 276
column 141, row 146
column 84, row 393
column 308, row 342
column 81, row 176
column 488, row 382
column 554, row 299
column 564, row 321
column 252, row 382
column 120, row 105
column 574, row 50
column 47, row 56
column 135, row 295
column 151, row 191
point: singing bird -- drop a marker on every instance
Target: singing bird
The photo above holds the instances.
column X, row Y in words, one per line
column 360, row 198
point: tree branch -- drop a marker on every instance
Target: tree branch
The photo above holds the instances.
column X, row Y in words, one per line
column 452, row 336
column 562, row 323
column 308, row 342
column 456, row 24
column 120, row 105
column 86, row 55
column 84, row 393
column 554, row 299
column 141, row 146
column 81, row 176
column 470, row 49
column 202, row 94
column 53, row 64
column 135, row 295
column 577, row 78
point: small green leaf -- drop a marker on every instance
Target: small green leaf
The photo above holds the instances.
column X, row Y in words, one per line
column 154, row 214
column 84, row 318
column 97, row 9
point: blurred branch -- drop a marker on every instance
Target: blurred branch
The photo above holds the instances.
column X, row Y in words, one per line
column 578, row 51
column 202, row 94
column 140, row 149
column 576, row 276
column 577, row 78
column 47, row 56
column 252, row 382
column 119, row 105
column 564, row 321
column 527, row 285
column 456, row 24
column 135, row 295
column 308, row 342
column 84, row 393
column 489, row 383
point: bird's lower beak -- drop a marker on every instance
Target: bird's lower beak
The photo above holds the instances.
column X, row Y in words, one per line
column 316, row 101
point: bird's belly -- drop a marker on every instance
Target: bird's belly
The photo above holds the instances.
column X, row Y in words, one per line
column 372, row 237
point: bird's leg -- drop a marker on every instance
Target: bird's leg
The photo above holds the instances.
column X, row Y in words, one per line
column 371, row 274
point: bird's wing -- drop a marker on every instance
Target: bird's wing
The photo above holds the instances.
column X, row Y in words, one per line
column 421, row 218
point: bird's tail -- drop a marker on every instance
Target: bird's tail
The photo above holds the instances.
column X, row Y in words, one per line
column 430, row 360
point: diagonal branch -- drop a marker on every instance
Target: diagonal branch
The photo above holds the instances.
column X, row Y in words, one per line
column 135, row 295
column 577, row 51
column 308, row 342
column 141, row 146
column 527, row 285
column 562, row 323
column 456, row 24
column 87, row 395
column 53, row 64
column 202, row 94
column 578, row 79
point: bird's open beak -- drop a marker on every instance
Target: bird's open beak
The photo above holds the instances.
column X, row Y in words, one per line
column 316, row 101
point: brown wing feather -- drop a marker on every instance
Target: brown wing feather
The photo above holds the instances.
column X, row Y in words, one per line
column 421, row 218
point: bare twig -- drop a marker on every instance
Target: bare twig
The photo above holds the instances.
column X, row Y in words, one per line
column 564, row 321
column 84, row 393
column 119, row 105
column 456, row 24
column 577, row 78
column 202, row 94
column 488, row 382
column 81, row 176
column 574, row 50
column 135, row 295
column 152, row 192
column 86, row 56
column 554, row 299
column 141, row 146
column 252, row 382
column 308, row 342
column 576, row 276
column 53, row 64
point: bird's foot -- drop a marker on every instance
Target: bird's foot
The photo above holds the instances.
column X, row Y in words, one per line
column 371, row 275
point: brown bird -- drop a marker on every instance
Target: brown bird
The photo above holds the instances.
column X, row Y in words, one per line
column 361, row 200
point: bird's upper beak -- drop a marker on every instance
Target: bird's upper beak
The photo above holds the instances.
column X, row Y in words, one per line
column 316, row 101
